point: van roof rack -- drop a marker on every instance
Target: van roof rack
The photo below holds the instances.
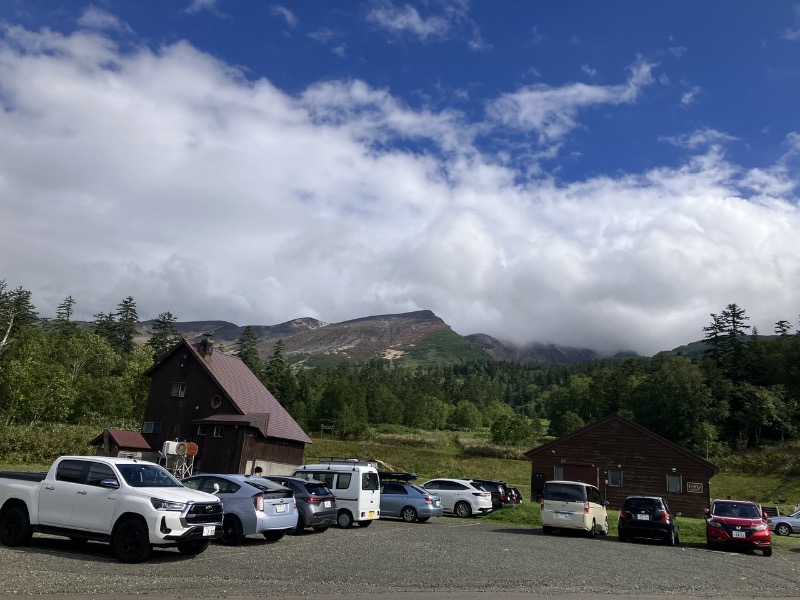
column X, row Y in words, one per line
column 346, row 461
column 396, row 476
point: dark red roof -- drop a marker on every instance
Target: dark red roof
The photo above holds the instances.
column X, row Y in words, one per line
column 248, row 394
column 124, row 440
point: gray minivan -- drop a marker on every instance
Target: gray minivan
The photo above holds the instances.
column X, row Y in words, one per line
column 573, row 505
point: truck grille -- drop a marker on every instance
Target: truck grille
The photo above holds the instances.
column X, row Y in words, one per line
column 204, row 512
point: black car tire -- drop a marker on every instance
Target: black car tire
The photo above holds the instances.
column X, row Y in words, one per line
column 606, row 528
column 345, row 519
column 300, row 527
column 193, row 547
column 462, row 509
column 422, row 519
column 409, row 514
column 547, row 530
column 767, row 551
column 232, row 531
column 130, row 541
column 670, row 539
column 15, row 527
column 274, row 536
column 592, row 533
column 783, row 529
column 320, row 528
column 622, row 537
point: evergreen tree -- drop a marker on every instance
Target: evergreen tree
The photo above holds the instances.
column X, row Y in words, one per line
column 127, row 320
column 163, row 336
column 65, row 309
column 248, row 350
column 105, row 325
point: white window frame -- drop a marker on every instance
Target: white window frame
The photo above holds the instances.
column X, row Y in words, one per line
column 672, row 479
column 218, row 431
column 178, row 390
column 201, row 430
column 151, row 427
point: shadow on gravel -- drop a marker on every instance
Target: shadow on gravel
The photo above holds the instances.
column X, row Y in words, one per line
column 89, row 551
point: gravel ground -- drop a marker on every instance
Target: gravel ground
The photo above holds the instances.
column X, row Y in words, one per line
column 453, row 557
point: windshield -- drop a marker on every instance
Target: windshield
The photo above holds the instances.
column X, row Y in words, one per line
column 147, row 475
column 740, row 510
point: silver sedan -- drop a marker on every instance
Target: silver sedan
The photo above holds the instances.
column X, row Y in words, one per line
column 785, row 524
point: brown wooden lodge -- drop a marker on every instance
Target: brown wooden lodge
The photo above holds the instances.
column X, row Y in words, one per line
column 624, row 459
column 213, row 400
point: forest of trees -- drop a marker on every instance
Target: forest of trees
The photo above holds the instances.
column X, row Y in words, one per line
column 743, row 392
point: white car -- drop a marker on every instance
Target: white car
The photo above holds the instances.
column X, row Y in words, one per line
column 461, row 497
column 573, row 505
column 785, row 524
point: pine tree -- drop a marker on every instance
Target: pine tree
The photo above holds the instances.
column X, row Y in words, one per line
column 127, row 320
column 248, row 350
column 163, row 336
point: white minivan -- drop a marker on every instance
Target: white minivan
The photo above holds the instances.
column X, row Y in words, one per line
column 355, row 484
column 573, row 505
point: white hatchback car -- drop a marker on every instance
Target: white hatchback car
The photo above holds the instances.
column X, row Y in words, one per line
column 573, row 505
column 461, row 497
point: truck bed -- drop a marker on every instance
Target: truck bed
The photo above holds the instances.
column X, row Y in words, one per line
column 24, row 475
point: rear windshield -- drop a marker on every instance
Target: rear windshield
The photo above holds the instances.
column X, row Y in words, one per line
column 317, row 489
column 564, row 492
column 370, row 481
column 642, row 504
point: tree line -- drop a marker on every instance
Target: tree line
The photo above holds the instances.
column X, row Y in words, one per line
column 743, row 391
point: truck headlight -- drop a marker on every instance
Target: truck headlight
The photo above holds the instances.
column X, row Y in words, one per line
column 160, row 504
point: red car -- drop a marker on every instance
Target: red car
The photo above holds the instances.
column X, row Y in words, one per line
column 737, row 524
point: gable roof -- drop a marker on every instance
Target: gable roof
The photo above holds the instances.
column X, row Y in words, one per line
column 623, row 421
column 124, row 440
column 246, row 392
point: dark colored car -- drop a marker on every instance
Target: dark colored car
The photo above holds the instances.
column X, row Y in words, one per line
column 316, row 504
column 737, row 524
column 647, row 517
column 501, row 492
column 516, row 496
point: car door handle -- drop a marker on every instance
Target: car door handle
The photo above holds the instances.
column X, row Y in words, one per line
column 49, row 487
column 82, row 492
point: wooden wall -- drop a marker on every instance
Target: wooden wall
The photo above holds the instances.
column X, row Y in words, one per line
column 643, row 460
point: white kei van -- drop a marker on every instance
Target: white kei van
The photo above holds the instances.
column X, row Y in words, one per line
column 573, row 505
column 355, row 484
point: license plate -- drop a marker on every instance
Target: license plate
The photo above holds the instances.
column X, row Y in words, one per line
column 326, row 503
column 643, row 517
column 739, row 534
column 371, row 514
column 562, row 516
column 209, row 530
column 281, row 507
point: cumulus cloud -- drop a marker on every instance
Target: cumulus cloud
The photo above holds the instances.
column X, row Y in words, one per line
column 94, row 17
column 169, row 176
column 406, row 21
column 286, row 14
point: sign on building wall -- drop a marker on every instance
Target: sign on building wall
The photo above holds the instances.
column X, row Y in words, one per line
column 694, row 488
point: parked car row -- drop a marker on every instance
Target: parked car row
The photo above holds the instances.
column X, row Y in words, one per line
column 737, row 524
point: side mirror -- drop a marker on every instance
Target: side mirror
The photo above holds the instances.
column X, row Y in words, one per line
column 110, row 483
column 605, row 502
column 216, row 488
column 764, row 516
column 707, row 511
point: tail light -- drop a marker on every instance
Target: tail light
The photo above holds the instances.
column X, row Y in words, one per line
column 481, row 494
column 586, row 508
column 665, row 517
column 312, row 499
column 623, row 514
column 503, row 497
column 541, row 505
column 428, row 500
column 258, row 502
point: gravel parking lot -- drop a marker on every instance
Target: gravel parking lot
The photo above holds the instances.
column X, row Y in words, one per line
column 452, row 557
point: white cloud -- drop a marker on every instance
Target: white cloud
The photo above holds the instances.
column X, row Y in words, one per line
column 168, row 176
column 200, row 5
column 588, row 70
column 286, row 14
column 94, row 17
column 688, row 97
column 701, row 138
column 405, row 20
column 552, row 112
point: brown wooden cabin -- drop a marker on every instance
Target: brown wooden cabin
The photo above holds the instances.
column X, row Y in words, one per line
column 214, row 400
column 624, row 459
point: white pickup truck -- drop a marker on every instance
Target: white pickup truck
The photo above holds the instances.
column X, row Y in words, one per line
column 132, row 504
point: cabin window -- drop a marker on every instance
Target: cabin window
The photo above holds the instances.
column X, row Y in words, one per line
column 674, row 483
column 201, row 430
column 218, row 431
column 558, row 473
column 178, row 390
column 151, row 427
column 615, row 478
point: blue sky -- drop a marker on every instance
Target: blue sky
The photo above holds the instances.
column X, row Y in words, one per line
column 582, row 173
